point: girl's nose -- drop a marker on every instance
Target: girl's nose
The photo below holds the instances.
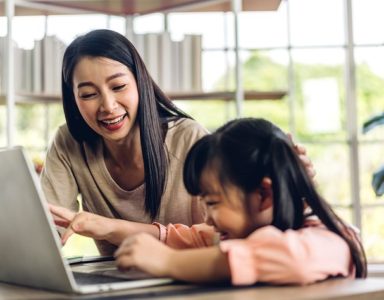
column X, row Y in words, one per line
column 208, row 219
column 109, row 103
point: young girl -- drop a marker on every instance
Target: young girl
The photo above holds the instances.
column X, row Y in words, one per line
column 272, row 224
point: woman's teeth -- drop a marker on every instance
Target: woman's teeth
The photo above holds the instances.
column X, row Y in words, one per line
column 114, row 121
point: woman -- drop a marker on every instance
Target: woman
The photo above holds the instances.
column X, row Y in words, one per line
column 124, row 141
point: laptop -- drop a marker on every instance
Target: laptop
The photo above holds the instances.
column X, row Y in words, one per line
column 30, row 248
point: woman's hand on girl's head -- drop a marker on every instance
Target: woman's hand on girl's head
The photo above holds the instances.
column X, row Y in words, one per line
column 301, row 151
column 145, row 252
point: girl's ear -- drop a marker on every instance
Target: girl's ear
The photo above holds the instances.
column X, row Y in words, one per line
column 266, row 194
column 262, row 203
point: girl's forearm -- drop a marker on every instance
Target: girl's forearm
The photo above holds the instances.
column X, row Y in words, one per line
column 199, row 265
column 120, row 229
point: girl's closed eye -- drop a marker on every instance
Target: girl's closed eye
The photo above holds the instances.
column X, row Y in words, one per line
column 211, row 202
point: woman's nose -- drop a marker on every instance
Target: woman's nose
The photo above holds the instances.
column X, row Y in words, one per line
column 109, row 103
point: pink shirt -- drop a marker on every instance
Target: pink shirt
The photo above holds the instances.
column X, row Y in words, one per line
column 302, row 256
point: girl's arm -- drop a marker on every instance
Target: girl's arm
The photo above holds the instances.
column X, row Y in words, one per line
column 292, row 257
column 268, row 255
column 150, row 255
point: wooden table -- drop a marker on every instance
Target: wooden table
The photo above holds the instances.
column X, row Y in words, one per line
column 371, row 288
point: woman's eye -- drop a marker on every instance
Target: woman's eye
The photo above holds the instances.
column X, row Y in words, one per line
column 119, row 87
column 87, row 96
column 211, row 203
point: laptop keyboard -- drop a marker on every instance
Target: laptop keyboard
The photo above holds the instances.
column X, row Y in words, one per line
column 90, row 278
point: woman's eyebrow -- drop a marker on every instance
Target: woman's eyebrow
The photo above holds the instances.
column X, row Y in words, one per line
column 89, row 83
column 115, row 76
column 86, row 83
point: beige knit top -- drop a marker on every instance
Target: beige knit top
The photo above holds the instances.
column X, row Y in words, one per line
column 72, row 169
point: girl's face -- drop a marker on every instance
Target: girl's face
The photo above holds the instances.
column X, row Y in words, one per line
column 106, row 95
column 226, row 209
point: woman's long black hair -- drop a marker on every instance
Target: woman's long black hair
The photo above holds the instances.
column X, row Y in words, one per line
column 154, row 106
column 243, row 152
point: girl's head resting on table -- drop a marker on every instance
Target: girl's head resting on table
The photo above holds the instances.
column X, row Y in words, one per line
column 249, row 176
column 108, row 93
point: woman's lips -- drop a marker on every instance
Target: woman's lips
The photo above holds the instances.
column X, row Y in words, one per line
column 113, row 124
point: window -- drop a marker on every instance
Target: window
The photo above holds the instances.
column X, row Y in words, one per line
column 300, row 49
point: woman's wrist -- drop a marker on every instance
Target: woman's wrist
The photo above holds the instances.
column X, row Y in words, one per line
column 118, row 230
column 121, row 229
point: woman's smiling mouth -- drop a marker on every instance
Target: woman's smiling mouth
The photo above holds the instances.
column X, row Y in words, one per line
column 113, row 124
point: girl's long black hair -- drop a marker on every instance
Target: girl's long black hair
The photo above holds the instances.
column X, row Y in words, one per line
column 154, row 106
column 243, row 152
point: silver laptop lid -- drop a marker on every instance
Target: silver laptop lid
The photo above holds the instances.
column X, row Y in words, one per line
column 29, row 244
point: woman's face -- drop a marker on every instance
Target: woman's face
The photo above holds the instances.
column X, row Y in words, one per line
column 106, row 95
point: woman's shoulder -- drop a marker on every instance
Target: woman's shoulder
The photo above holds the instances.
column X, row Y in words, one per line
column 63, row 137
column 182, row 134
column 186, row 127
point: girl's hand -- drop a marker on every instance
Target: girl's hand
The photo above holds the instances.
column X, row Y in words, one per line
column 146, row 253
column 302, row 153
column 83, row 223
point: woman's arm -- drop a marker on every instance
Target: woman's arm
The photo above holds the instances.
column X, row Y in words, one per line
column 57, row 179
column 97, row 227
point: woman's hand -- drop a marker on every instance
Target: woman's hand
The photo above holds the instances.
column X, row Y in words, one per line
column 301, row 151
column 146, row 253
column 83, row 223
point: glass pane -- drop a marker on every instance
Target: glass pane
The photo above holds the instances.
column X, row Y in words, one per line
column 209, row 113
column 263, row 29
column 3, row 119
column 332, row 179
column 30, row 124
column 276, row 111
column 372, row 233
column 315, row 22
column 74, row 25
column 56, row 118
column 3, row 26
column 265, row 70
column 371, row 159
column 35, row 25
column 117, row 24
column 149, row 23
column 262, row 70
column 212, row 26
column 367, row 18
column 369, row 83
column 319, row 94
column 216, row 70
column 344, row 213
